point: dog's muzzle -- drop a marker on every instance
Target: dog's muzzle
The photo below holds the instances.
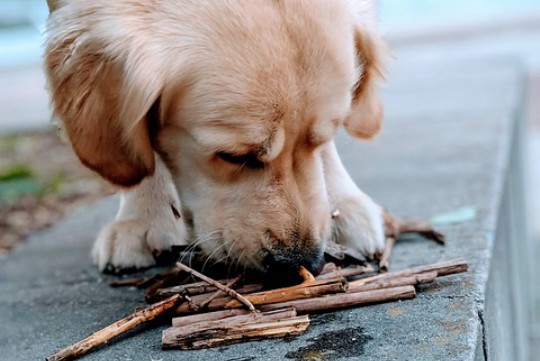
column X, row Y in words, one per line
column 282, row 265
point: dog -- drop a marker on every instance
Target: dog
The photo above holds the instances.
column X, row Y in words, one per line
column 217, row 119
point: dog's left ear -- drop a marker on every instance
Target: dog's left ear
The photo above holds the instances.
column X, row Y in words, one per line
column 104, row 86
column 366, row 115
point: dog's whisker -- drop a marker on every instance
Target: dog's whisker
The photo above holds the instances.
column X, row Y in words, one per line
column 200, row 240
column 209, row 257
column 239, row 259
column 197, row 242
column 230, row 255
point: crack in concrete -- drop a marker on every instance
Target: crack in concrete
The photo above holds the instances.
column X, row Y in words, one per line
column 483, row 330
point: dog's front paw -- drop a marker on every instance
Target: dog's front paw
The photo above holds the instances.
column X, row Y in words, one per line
column 125, row 245
column 359, row 224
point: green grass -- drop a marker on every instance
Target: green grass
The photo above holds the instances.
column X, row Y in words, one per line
column 18, row 180
column 16, row 171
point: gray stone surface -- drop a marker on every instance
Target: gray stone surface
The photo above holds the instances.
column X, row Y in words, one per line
column 445, row 145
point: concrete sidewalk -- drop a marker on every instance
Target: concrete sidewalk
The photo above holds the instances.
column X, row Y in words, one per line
column 446, row 145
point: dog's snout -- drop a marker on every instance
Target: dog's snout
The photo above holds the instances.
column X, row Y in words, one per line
column 283, row 264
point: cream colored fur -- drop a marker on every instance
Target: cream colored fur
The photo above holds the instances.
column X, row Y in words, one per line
column 185, row 81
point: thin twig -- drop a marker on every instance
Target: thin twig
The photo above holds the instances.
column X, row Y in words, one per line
column 104, row 335
column 384, row 261
column 218, row 293
column 395, row 227
column 223, row 288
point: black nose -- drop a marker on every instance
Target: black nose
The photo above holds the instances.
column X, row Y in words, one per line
column 282, row 265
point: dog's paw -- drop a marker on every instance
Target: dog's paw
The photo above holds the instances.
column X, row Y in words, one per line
column 125, row 245
column 359, row 224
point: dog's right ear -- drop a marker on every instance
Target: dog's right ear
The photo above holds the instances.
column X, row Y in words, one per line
column 102, row 89
column 366, row 115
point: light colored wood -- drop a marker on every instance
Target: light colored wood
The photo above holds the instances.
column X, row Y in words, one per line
column 412, row 280
column 251, row 317
column 445, row 268
column 395, row 226
column 104, row 335
column 345, row 300
column 209, row 316
column 384, row 262
column 172, row 338
column 305, row 274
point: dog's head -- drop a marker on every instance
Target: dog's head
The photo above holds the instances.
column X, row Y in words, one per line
column 238, row 99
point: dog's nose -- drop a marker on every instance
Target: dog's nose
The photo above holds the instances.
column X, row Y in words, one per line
column 282, row 265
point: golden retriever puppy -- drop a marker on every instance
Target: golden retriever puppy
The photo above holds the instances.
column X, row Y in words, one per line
column 217, row 119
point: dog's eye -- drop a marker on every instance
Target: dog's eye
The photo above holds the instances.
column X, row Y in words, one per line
column 246, row 160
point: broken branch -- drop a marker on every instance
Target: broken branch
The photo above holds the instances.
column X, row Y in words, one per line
column 344, row 300
column 246, row 317
column 445, row 268
column 104, row 335
column 177, row 338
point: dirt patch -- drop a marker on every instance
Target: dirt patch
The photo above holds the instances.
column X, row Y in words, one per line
column 40, row 181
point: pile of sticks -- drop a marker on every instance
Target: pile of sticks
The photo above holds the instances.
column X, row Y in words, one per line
column 210, row 312
column 278, row 310
column 216, row 313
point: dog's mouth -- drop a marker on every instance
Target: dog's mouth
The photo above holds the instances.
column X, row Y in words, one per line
column 289, row 260
column 277, row 266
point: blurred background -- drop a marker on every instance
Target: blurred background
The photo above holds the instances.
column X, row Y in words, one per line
column 37, row 188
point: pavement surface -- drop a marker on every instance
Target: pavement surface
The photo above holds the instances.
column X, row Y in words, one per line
column 444, row 148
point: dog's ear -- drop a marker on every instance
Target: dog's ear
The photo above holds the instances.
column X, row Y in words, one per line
column 102, row 93
column 366, row 115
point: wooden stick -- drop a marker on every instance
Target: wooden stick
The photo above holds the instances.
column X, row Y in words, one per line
column 160, row 280
column 412, row 280
column 218, row 293
column 192, row 289
column 249, row 317
column 234, row 334
column 445, row 268
column 306, row 275
column 104, row 335
column 201, row 288
column 395, row 226
column 241, row 299
column 344, row 300
column 347, row 272
column 301, row 291
column 209, row 316
column 251, row 288
column 387, row 253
